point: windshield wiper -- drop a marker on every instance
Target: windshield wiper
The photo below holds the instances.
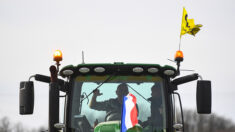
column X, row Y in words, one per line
column 138, row 93
column 106, row 80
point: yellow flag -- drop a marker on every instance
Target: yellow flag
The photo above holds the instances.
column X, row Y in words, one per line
column 188, row 25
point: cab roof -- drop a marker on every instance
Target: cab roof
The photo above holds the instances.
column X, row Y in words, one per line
column 118, row 68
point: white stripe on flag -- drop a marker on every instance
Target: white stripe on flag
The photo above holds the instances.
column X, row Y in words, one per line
column 129, row 106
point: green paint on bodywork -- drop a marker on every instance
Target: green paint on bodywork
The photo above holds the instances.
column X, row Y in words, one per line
column 68, row 67
column 169, row 67
column 88, row 77
column 149, row 77
column 95, row 64
column 112, row 126
column 115, row 126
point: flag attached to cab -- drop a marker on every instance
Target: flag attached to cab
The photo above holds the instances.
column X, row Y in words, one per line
column 129, row 112
column 188, row 25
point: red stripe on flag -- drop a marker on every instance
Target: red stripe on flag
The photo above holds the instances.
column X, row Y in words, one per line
column 134, row 111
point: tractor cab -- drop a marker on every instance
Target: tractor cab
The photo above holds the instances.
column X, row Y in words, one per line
column 89, row 112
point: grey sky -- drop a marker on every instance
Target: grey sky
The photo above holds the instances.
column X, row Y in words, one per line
column 131, row 31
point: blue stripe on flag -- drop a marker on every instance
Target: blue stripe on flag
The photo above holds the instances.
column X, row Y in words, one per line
column 123, row 124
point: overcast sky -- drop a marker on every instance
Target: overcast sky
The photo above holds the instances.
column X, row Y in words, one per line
column 130, row 31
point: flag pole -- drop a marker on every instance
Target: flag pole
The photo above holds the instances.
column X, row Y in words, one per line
column 180, row 43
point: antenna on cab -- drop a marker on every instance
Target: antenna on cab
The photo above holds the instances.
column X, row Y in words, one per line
column 83, row 62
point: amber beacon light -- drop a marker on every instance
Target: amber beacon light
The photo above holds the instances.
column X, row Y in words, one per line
column 179, row 56
column 57, row 56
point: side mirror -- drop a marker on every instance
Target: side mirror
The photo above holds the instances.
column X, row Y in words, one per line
column 204, row 97
column 26, row 97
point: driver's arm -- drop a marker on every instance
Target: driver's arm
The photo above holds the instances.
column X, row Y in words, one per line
column 101, row 106
column 93, row 99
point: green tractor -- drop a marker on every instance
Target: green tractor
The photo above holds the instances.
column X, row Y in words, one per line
column 84, row 85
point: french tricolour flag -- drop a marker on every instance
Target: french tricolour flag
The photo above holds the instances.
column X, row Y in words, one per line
column 129, row 112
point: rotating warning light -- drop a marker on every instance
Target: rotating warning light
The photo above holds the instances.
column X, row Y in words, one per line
column 179, row 56
column 57, row 56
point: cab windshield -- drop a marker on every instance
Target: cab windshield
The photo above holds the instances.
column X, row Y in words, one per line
column 91, row 107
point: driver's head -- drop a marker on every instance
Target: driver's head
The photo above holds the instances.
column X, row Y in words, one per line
column 122, row 90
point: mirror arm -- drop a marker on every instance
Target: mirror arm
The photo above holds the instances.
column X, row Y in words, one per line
column 200, row 77
column 47, row 79
column 185, row 79
column 31, row 77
